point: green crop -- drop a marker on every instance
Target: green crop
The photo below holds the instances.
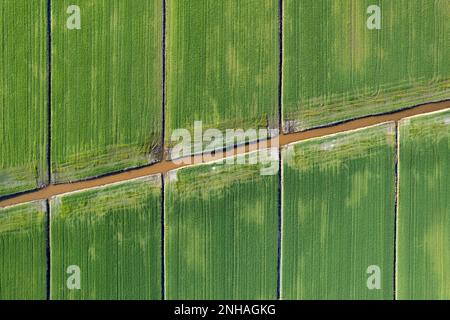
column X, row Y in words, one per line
column 222, row 65
column 106, row 87
column 424, row 216
column 23, row 257
column 113, row 235
column 335, row 68
column 338, row 215
column 221, row 232
column 23, row 96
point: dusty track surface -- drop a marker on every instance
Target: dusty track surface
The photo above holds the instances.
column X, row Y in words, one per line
column 165, row 165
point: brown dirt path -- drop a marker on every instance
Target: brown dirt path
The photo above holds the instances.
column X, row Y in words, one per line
column 165, row 166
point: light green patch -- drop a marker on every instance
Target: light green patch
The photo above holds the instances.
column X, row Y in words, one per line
column 219, row 174
column 17, row 179
column 117, row 158
column 353, row 56
column 359, row 188
column 335, row 150
column 437, row 242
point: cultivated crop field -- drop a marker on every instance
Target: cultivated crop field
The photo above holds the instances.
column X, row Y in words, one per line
column 222, row 65
column 113, row 235
column 23, row 96
column 338, row 215
column 221, row 232
column 23, row 259
column 103, row 102
column 335, row 68
column 106, row 88
column 423, row 218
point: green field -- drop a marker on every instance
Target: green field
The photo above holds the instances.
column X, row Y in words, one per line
column 338, row 215
column 23, row 258
column 106, row 88
column 23, row 96
column 424, row 216
column 221, row 223
column 335, row 68
column 222, row 65
column 348, row 204
column 113, row 234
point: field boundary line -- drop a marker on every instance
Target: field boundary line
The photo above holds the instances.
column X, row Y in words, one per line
column 280, row 224
column 47, row 248
column 163, row 136
column 49, row 91
column 49, row 147
column 164, row 103
column 397, row 192
column 164, row 70
column 280, row 66
column 166, row 165
column 163, row 240
column 280, row 160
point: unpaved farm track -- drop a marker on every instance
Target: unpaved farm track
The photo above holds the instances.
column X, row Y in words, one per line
column 166, row 165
